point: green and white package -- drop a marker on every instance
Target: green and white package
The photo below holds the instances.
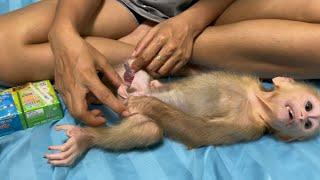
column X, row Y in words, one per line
column 27, row 106
column 39, row 103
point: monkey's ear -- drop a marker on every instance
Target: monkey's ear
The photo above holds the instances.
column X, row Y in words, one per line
column 278, row 81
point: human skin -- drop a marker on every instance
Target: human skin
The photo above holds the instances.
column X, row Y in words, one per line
column 168, row 46
column 265, row 42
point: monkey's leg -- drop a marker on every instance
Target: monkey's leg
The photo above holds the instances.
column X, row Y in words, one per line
column 135, row 131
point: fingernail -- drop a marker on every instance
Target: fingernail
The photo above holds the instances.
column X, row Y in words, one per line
column 133, row 68
column 126, row 113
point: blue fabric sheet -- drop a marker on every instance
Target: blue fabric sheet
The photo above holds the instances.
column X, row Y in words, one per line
column 266, row 159
column 10, row 5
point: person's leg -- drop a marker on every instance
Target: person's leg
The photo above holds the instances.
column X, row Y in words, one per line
column 267, row 46
column 25, row 54
column 232, row 42
column 297, row 10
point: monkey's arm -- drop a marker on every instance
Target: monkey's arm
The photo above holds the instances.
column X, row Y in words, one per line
column 194, row 131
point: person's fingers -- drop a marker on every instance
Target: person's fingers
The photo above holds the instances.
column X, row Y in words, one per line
column 183, row 60
column 80, row 110
column 67, row 100
column 58, row 86
column 155, row 75
column 96, row 112
column 126, row 114
column 149, row 53
column 64, row 93
column 142, row 44
column 91, row 99
column 170, row 64
column 105, row 95
column 178, row 67
column 164, row 54
column 108, row 70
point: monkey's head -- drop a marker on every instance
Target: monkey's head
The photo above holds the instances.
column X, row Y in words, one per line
column 296, row 109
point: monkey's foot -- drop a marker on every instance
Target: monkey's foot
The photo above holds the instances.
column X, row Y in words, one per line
column 137, row 84
column 125, row 92
column 155, row 84
column 79, row 141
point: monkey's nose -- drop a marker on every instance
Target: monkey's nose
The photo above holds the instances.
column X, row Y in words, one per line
column 302, row 116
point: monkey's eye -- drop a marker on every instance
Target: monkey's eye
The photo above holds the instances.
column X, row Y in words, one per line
column 308, row 106
column 308, row 124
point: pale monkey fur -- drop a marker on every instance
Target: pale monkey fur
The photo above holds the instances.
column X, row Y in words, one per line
column 207, row 109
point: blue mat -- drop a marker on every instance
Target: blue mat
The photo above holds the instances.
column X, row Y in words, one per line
column 266, row 159
column 10, row 5
column 21, row 159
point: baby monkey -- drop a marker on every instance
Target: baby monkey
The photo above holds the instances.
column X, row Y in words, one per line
column 213, row 108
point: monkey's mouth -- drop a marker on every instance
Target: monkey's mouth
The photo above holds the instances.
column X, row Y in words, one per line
column 290, row 112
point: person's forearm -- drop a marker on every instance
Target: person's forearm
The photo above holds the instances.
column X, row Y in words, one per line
column 73, row 15
column 203, row 13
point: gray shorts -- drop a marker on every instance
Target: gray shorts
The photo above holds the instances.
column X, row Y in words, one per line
column 156, row 10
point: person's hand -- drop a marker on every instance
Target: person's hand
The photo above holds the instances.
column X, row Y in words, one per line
column 76, row 67
column 165, row 49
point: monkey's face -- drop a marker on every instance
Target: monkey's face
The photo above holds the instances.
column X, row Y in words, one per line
column 296, row 111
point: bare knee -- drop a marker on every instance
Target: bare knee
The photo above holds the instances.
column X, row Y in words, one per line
column 146, row 129
column 270, row 9
column 146, row 125
column 135, row 36
column 152, row 132
column 147, row 134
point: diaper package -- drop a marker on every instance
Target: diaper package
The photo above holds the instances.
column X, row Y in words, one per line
column 27, row 106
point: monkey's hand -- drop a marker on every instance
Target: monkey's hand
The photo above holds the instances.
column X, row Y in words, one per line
column 79, row 142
